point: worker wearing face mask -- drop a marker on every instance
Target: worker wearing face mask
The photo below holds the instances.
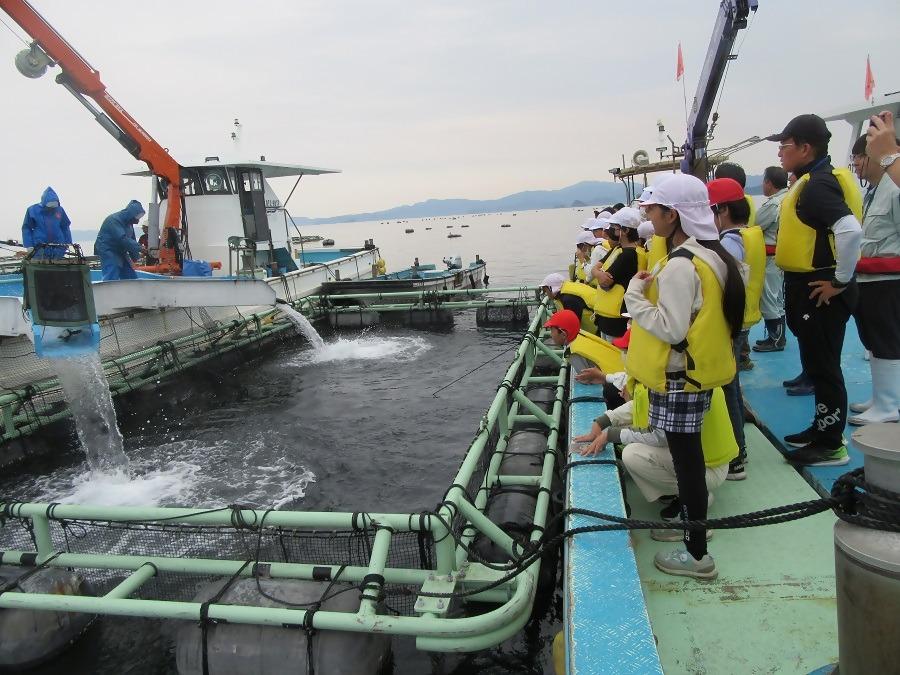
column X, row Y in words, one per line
column 45, row 224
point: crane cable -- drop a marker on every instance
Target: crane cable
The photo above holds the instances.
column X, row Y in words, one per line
column 727, row 69
column 14, row 33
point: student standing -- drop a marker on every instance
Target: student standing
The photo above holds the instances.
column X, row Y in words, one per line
column 685, row 312
column 745, row 244
column 614, row 273
column 772, row 302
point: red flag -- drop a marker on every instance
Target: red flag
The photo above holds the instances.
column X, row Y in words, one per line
column 679, row 69
column 870, row 79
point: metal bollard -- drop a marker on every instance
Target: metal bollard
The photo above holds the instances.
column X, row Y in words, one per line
column 867, row 568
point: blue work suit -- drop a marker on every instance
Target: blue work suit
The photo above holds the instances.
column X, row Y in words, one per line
column 43, row 225
column 116, row 244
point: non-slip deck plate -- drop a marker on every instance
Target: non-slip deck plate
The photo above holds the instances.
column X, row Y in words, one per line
column 607, row 627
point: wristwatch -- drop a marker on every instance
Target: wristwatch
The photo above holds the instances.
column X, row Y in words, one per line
column 887, row 160
column 839, row 284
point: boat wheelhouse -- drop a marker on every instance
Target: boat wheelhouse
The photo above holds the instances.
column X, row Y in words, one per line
column 232, row 204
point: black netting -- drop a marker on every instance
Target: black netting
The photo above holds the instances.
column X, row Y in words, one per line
column 408, row 550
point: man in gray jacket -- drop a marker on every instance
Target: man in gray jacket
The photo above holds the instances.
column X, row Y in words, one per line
column 772, row 302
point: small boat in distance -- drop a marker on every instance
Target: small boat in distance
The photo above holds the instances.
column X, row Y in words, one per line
column 453, row 236
column 409, row 230
column 328, row 242
column 465, row 225
column 506, row 225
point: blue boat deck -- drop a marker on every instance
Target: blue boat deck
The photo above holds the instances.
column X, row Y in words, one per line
column 11, row 285
column 772, row 607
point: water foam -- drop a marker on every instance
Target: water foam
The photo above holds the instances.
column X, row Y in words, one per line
column 366, row 348
column 171, row 483
column 187, row 473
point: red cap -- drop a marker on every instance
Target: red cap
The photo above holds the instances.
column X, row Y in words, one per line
column 622, row 342
column 567, row 321
column 723, row 190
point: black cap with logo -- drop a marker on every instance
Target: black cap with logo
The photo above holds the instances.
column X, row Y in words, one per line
column 809, row 128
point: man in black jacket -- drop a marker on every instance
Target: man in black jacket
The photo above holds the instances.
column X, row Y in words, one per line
column 818, row 246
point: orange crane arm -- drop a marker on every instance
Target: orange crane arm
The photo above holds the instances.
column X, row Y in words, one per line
column 81, row 79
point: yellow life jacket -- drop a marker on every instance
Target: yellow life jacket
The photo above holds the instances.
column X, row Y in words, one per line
column 657, row 251
column 559, row 305
column 642, row 258
column 609, row 300
column 795, row 247
column 598, row 351
column 707, row 348
column 716, row 432
column 751, row 219
column 588, row 295
column 755, row 257
column 576, row 271
column 611, row 258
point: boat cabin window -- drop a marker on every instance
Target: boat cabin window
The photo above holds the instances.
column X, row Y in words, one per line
column 214, row 182
column 190, row 186
column 251, row 181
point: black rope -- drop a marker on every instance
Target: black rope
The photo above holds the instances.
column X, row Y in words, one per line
column 34, row 570
column 464, row 375
column 205, row 620
column 852, row 500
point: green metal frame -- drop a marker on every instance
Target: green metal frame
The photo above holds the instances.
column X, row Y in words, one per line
column 453, row 572
column 403, row 301
column 134, row 370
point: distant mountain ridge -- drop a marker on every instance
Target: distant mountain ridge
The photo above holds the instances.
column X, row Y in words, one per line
column 586, row 193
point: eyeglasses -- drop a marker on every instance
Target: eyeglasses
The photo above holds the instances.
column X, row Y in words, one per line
column 782, row 146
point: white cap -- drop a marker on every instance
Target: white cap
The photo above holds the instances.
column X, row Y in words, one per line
column 688, row 195
column 601, row 223
column 626, row 217
column 618, row 380
column 645, row 230
column 586, row 237
column 589, row 224
column 554, row 281
column 645, row 194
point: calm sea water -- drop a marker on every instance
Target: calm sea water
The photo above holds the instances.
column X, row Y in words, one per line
column 351, row 427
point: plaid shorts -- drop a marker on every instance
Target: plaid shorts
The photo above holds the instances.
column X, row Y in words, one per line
column 677, row 410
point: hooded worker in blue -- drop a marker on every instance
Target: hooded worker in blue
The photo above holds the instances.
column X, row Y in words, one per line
column 116, row 244
column 46, row 223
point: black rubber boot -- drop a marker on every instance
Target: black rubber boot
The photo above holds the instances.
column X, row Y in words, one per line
column 775, row 339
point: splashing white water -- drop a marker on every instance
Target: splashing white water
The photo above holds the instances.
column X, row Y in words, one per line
column 87, row 393
column 171, row 484
column 182, row 473
column 303, row 326
column 392, row 349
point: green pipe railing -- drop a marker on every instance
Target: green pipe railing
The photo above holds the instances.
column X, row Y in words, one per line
column 450, row 304
column 452, row 571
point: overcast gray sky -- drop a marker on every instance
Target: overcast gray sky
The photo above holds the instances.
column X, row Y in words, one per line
column 415, row 100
